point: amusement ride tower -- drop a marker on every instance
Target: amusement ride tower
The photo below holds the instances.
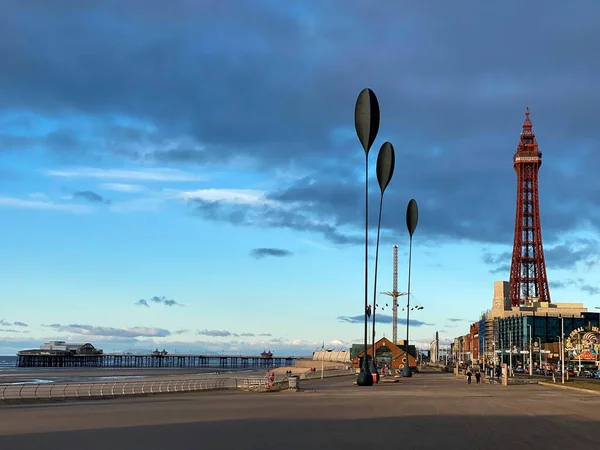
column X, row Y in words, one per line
column 528, row 280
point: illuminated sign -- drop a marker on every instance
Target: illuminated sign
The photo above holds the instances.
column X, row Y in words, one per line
column 582, row 344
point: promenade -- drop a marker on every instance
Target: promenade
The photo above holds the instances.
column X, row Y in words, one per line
column 428, row 411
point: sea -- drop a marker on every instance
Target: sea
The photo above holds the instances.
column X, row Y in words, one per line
column 8, row 365
column 7, row 362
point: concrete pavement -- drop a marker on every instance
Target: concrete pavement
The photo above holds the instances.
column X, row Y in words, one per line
column 427, row 411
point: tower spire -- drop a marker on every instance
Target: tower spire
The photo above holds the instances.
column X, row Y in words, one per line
column 528, row 280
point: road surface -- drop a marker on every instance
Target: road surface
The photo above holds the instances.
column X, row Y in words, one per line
column 427, row 411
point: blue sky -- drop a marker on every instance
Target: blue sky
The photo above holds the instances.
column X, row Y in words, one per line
column 202, row 157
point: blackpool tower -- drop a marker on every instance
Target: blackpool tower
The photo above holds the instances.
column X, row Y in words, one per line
column 528, row 280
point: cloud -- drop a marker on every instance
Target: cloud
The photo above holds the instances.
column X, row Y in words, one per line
column 264, row 334
column 8, row 330
column 18, row 203
column 90, row 330
column 457, row 320
column 121, row 187
column 154, row 174
column 227, row 196
column 5, row 323
column 259, row 253
column 563, row 256
column 381, row 318
column 444, row 95
column 162, row 300
column 577, row 283
column 246, row 334
column 90, row 196
column 215, row 333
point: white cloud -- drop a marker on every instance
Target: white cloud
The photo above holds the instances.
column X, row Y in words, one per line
column 232, row 196
column 157, row 174
column 12, row 202
column 38, row 196
column 121, row 187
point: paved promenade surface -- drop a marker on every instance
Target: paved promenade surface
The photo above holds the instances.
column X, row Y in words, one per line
column 428, row 411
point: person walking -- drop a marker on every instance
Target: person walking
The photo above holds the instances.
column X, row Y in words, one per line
column 477, row 377
column 469, row 374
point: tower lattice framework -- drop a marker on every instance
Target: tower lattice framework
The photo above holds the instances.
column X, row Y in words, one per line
column 528, row 280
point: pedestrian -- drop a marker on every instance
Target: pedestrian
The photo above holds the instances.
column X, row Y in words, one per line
column 477, row 377
column 498, row 373
column 469, row 376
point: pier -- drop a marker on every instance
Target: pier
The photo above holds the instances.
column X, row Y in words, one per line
column 39, row 359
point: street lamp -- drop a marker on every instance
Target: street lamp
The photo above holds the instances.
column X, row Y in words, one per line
column 562, row 348
column 366, row 124
column 412, row 218
column 530, row 351
column 385, row 170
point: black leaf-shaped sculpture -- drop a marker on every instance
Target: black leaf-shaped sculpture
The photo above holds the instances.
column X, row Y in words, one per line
column 366, row 118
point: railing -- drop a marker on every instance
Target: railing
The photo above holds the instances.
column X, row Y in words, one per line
column 56, row 391
column 61, row 391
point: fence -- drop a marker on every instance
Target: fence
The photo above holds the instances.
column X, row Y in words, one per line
column 57, row 391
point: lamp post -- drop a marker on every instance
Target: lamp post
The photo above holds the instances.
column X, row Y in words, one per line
column 540, row 347
column 562, row 348
column 366, row 124
column 412, row 218
column 385, row 170
column 530, row 351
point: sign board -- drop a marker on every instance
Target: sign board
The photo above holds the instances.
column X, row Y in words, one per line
column 523, row 352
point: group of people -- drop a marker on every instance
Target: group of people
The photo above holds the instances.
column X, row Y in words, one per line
column 470, row 374
column 497, row 372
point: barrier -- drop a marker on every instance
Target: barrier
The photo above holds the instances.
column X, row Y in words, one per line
column 61, row 391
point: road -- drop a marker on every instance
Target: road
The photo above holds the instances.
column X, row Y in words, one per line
column 427, row 411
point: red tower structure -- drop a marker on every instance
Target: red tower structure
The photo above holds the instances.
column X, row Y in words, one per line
column 528, row 280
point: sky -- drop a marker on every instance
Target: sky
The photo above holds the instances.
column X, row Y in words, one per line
column 186, row 175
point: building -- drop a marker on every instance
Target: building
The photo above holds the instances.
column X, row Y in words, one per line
column 386, row 353
column 63, row 348
column 434, row 349
column 340, row 356
column 510, row 330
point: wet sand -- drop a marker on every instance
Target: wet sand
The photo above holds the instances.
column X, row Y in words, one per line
column 33, row 375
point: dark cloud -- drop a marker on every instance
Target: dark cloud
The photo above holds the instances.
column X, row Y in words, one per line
column 577, row 283
column 90, row 330
column 453, row 104
column 264, row 334
column 162, row 300
column 382, row 318
column 259, row 253
column 90, row 196
column 247, row 334
column 5, row 323
column 573, row 253
column 215, row 333
column 457, row 320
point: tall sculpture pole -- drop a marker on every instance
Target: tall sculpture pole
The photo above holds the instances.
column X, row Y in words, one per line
column 412, row 218
column 385, row 170
column 366, row 123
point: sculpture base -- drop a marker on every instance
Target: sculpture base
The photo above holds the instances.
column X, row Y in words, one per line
column 364, row 378
column 406, row 372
